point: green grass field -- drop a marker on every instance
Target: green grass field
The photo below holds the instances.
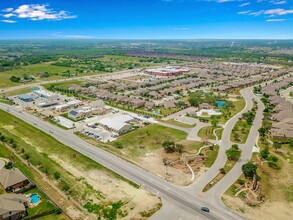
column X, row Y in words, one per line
column 139, row 142
column 54, row 71
column 180, row 124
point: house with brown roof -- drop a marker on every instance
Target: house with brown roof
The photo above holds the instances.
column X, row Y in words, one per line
column 149, row 106
column 13, row 180
column 136, row 103
column 169, row 104
column 12, row 206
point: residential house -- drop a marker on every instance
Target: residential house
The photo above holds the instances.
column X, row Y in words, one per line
column 169, row 104
column 12, row 206
column 13, row 180
column 149, row 106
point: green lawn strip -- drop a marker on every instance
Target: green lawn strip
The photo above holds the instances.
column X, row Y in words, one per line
column 208, row 132
column 180, row 124
column 240, row 132
column 228, row 166
column 57, row 124
column 5, row 101
column 138, row 142
column 219, row 133
column 211, row 156
column 38, row 146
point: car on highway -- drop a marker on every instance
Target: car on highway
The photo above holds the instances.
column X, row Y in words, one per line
column 205, row 209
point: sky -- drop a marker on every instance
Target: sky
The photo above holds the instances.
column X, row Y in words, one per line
column 146, row 19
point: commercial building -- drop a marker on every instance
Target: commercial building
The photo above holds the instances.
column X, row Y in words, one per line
column 119, row 124
column 167, row 71
column 25, row 98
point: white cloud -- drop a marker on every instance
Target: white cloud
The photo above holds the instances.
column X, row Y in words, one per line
column 276, row 20
column 243, row 12
column 6, row 10
column 37, row 12
column 244, row 4
column 9, row 15
column 278, row 2
column 278, row 11
column 8, row 21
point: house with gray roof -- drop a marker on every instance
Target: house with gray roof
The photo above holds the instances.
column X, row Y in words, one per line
column 12, row 206
column 13, row 180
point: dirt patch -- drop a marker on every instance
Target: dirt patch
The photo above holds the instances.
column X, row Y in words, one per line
column 114, row 189
column 178, row 173
column 267, row 211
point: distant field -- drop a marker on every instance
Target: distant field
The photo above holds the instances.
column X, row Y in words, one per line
column 114, row 62
column 54, row 71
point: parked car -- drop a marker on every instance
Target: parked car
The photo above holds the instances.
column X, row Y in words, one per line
column 205, row 209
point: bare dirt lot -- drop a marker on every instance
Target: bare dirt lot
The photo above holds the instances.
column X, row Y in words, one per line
column 138, row 200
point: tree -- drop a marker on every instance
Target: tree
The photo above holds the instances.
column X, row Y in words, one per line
column 233, row 153
column 222, row 170
column 264, row 153
column 214, row 121
column 57, row 175
column 277, row 146
column 169, row 146
column 249, row 170
column 179, row 148
column 193, row 101
column 262, row 131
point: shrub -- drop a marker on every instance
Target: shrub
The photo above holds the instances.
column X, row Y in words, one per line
column 57, row 175
column 222, row 170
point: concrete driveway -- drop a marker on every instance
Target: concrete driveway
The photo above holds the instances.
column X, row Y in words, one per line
column 2, row 163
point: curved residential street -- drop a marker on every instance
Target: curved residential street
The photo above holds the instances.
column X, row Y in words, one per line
column 213, row 196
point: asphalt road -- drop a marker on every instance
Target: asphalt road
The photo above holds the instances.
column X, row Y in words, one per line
column 173, row 194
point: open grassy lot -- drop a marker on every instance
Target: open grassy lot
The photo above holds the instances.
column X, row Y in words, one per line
column 55, row 72
column 208, row 132
column 18, row 91
column 64, row 85
column 139, row 142
column 180, row 124
column 81, row 178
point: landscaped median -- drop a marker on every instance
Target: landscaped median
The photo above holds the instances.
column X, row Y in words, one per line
column 233, row 154
column 208, row 132
column 242, row 127
column 82, row 179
